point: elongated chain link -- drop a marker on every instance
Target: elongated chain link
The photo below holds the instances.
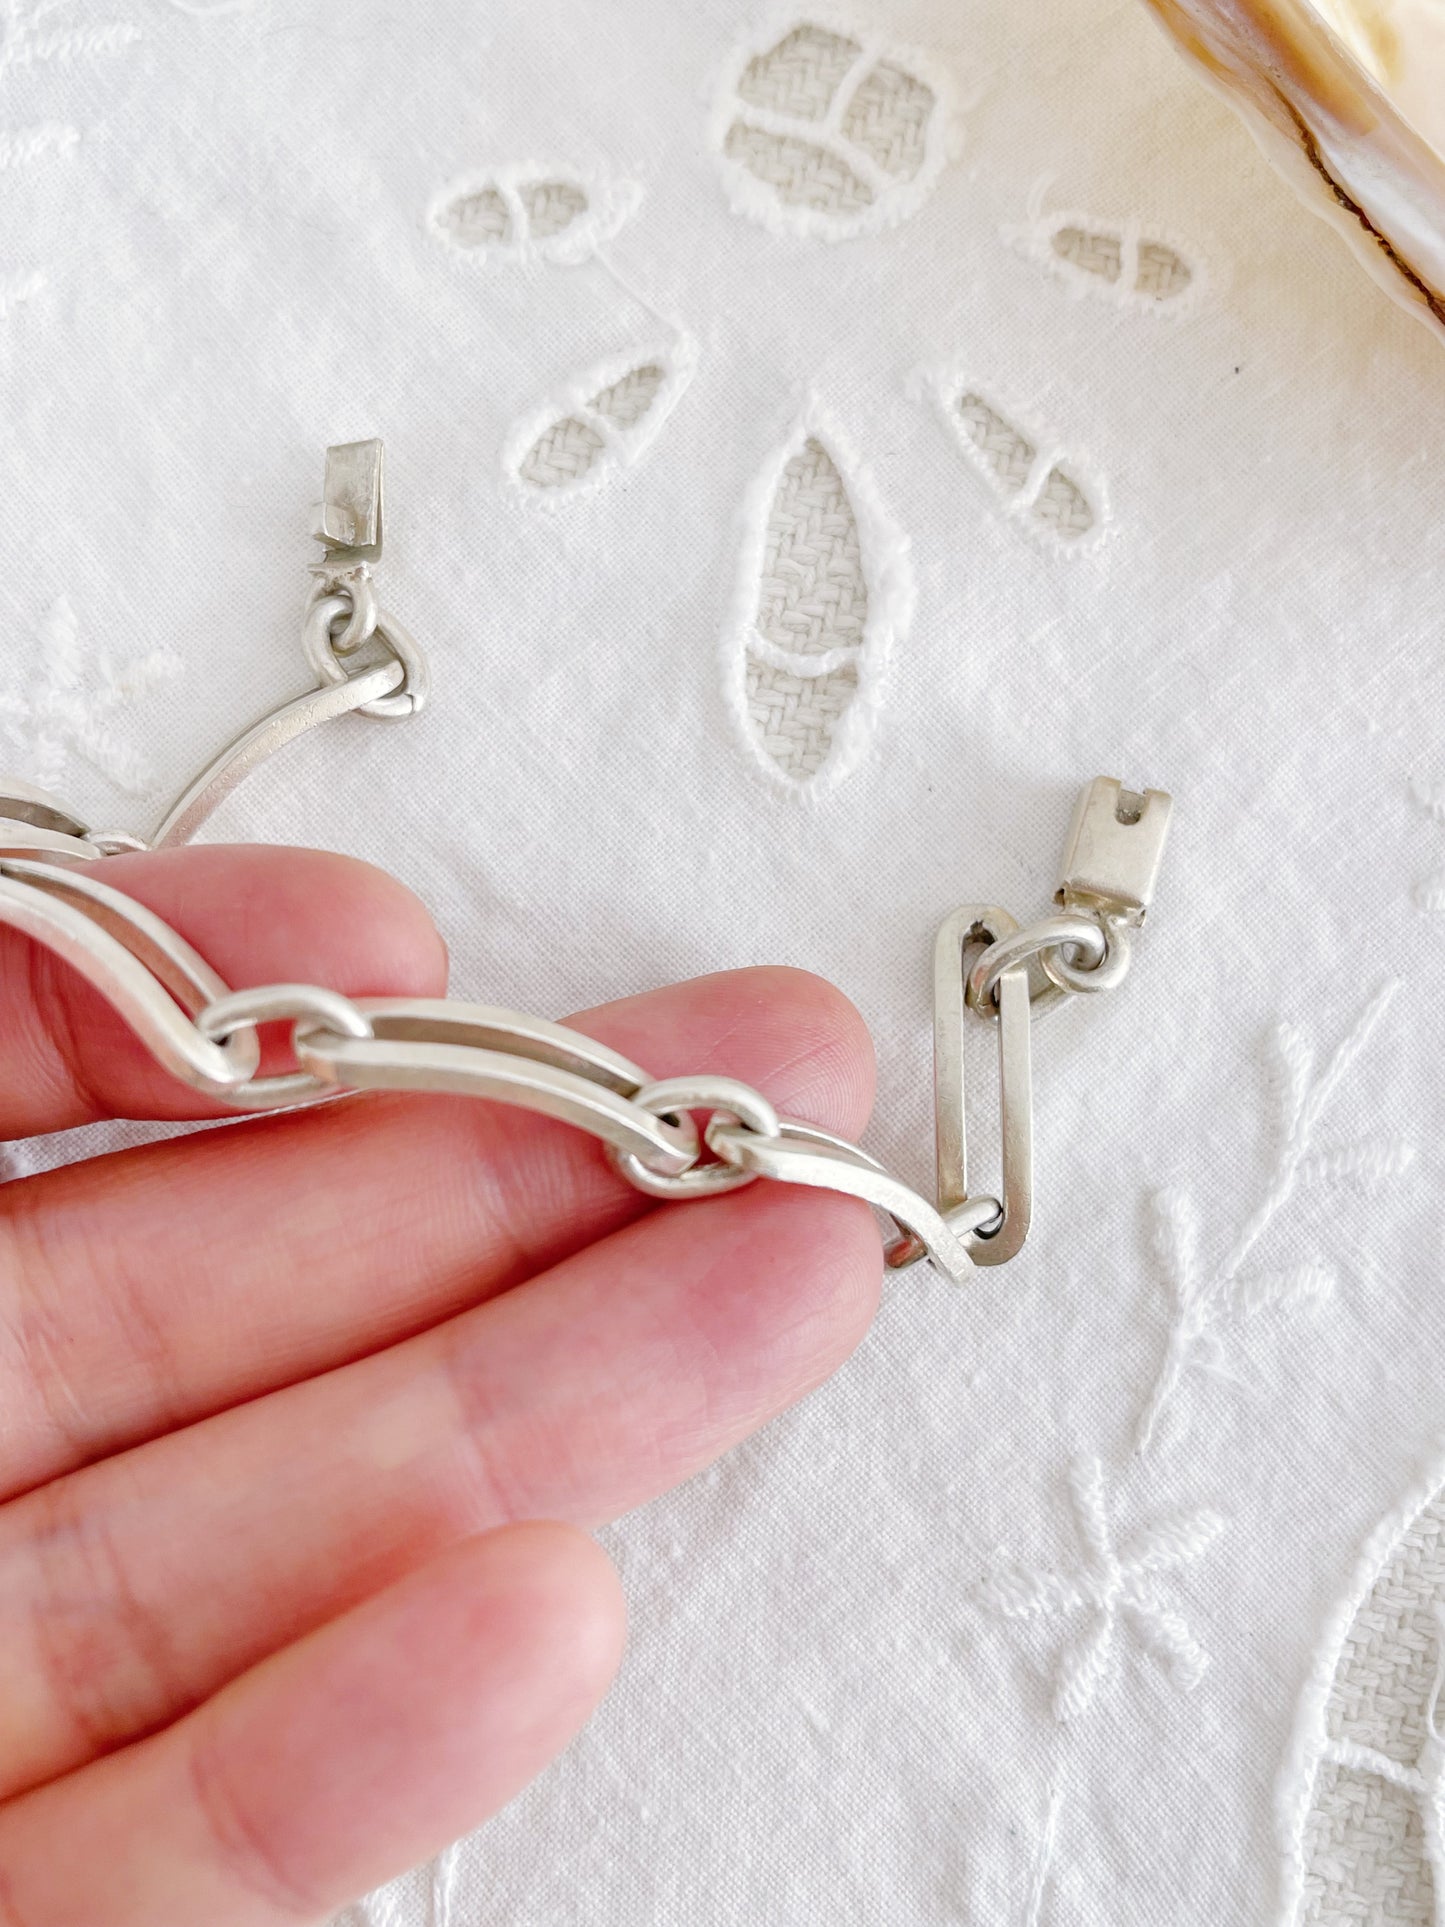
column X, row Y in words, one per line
column 206, row 1035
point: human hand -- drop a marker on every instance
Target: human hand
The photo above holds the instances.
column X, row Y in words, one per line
column 274, row 1398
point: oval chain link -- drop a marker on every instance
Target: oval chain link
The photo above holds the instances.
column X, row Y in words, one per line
column 354, row 587
column 321, row 649
column 1101, row 957
column 241, row 1011
column 205, row 1035
column 674, row 1097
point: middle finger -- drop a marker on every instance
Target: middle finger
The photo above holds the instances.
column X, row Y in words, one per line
column 145, row 1290
column 132, row 1590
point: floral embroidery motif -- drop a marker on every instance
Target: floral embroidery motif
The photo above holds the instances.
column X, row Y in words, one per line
column 601, row 421
column 827, row 134
column 1362, row 1796
column 1036, row 481
column 1133, row 266
column 31, row 144
column 68, row 706
column 1208, row 1305
column 824, row 593
column 531, row 213
column 1112, row 1589
column 27, row 40
column 30, row 38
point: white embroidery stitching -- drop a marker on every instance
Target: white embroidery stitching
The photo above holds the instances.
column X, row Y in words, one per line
column 1135, row 265
column 26, row 41
column 597, row 423
column 1040, row 485
column 26, row 145
column 827, row 132
column 67, row 706
column 1111, row 1588
column 824, row 592
column 1039, row 1881
column 1378, row 1669
column 1208, row 1307
column 531, row 211
column 443, row 1886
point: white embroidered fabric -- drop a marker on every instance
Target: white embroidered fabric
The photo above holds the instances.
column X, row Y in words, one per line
column 818, row 445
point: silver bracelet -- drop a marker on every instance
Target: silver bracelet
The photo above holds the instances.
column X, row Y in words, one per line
column 205, row 1034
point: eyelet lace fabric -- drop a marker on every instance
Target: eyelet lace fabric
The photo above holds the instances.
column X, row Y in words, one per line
column 817, row 445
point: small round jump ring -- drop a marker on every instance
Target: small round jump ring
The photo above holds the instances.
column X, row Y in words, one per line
column 1076, row 975
column 1046, row 938
column 353, row 587
column 724, row 1097
column 321, row 654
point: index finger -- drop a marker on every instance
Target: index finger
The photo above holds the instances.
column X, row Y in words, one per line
column 257, row 915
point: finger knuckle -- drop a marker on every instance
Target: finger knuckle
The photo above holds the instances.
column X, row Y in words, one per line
column 108, row 1662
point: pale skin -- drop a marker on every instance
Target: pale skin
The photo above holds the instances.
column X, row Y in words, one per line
column 303, row 1423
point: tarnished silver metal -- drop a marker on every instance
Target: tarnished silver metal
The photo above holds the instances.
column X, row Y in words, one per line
column 1083, row 934
column 1112, row 856
column 153, row 978
column 968, row 931
column 675, row 1097
column 216, row 782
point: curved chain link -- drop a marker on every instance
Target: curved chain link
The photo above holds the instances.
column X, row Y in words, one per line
column 206, row 1035
column 1047, row 938
column 148, row 974
column 323, row 648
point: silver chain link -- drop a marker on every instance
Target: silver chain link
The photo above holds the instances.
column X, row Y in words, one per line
column 207, row 1036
